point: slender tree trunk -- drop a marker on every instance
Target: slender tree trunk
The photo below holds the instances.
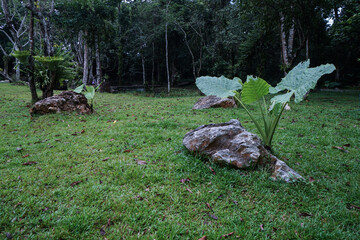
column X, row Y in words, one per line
column 6, row 66
column 143, row 68
column 98, row 62
column 307, row 48
column 153, row 67
column 167, row 48
column 86, row 61
column 190, row 51
column 34, row 96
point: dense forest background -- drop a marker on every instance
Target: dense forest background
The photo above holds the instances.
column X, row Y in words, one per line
column 172, row 42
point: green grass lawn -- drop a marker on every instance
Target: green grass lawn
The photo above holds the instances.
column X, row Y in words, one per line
column 90, row 182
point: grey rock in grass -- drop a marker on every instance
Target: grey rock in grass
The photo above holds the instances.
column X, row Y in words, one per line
column 214, row 102
column 229, row 144
column 67, row 101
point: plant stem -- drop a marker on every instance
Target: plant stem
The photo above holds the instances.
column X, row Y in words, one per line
column 252, row 118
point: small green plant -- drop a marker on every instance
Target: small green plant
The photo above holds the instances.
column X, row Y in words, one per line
column 89, row 92
column 297, row 82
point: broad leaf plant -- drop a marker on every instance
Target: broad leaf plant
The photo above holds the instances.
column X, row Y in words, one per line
column 298, row 82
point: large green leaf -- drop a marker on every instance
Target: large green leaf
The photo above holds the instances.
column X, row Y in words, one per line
column 281, row 99
column 254, row 89
column 218, row 86
column 90, row 94
column 301, row 79
column 79, row 89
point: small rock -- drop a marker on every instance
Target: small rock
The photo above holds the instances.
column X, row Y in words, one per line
column 214, row 102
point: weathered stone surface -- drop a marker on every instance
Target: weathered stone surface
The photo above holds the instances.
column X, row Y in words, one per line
column 214, row 102
column 67, row 101
column 230, row 144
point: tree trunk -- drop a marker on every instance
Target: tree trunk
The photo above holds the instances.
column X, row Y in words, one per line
column 34, row 96
column 86, row 61
column 98, row 63
column 286, row 46
column 153, row 67
column 143, row 70
column 167, row 48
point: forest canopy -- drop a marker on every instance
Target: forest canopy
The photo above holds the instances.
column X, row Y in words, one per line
column 172, row 42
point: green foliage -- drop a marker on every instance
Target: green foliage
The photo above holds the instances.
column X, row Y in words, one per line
column 221, row 87
column 23, row 56
column 302, row 79
column 89, row 92
column 298, row 82
column 254, row 89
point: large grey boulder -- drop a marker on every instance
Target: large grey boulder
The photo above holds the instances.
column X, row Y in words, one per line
column 214, row 102
column 67, row 101
column 229, row 144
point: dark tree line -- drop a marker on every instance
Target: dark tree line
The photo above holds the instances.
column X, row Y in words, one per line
column 171, row 42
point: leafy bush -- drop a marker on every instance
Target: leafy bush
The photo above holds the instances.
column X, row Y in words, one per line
column 297, row 83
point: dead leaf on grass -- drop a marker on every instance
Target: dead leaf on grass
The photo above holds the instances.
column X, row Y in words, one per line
column 203, row 238
column 183, row 180
column 25, row 156
column 213, row 216
column 105, row 159
column 311, row 179
column 262, row 227
column 228, row 235
column 29, row 163
column 304, row 214
column 140, row 162
column 340, row 148
column 212, row 170
column 76, row 183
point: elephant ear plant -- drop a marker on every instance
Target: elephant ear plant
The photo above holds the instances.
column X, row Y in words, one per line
column 297, row 82
column 89, row 92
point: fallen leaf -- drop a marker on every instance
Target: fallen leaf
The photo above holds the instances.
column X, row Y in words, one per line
column 340, row 148
column 128, row 150
column 82, row 131
column 203, row 238
column 75, row 183
column 311, row 179
column 183, row 180
column 235, row 202
column 228, row 235
column 105, row 159
column 208, row 205
column 212, row 170
column 347, row 145
column 102, row 232
column 109, row 222
column 304, row 214
column 25, row 156
column 29, row 163
column 140, row 162
column 19, row 149
column 353, row 207
column 189, row 190
column 169, row 139
column 8, row 235
column 262, row 227
column 213, row 217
